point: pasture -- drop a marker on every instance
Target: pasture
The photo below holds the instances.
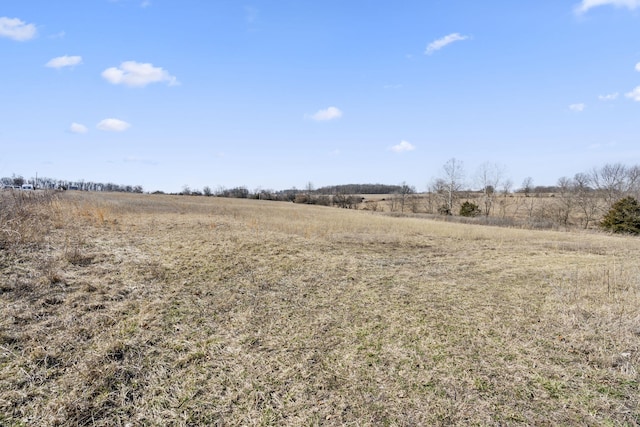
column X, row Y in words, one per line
column 137, row 310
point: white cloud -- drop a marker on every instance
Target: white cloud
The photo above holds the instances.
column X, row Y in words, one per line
column 586, row 5
column 330, row 113
column 64, row 61
column 608, row 97
column 577, row 107
column 78, row 128
column 638, row 67
column 145, row 4
column 136, row 74
column 634, row 94
column 16, row 29
column 113, row 125
column 444, row 41
column 402, row 147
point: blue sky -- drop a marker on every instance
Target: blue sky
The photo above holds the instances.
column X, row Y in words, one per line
column 279, row 93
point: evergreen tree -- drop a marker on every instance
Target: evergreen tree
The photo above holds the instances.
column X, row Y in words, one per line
column 623, row 217
column 469, row 209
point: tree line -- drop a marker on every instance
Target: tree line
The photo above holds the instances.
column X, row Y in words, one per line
column 582, row 200
column 43, row 183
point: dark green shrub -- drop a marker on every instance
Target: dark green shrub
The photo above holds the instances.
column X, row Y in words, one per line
column 623, row 217
column 469, row 209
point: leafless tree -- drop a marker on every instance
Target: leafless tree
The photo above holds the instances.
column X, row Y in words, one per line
column 506, row 199
column 610, row 180
column 437, row 199
column 308, row 196
column 489, row 177
column 393, row 202
column 587, row 201
column 527, row 186
column 564, row 200
column 404, row 193
column 633, row 178
column 454, row 180
column 400, row 199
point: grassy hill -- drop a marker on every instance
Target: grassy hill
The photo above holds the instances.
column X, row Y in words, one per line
column 132, row 310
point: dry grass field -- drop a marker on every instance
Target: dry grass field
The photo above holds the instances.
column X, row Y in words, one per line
column 140, row 310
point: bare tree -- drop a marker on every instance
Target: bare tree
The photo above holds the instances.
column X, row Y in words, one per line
column 564, row 201
column 453, row 180
column 633, row 179
column 309, row 190
column 505, row 189
column 436, row 198
column 586, row 198
column 610, row 180
column 394, row 203
column 489, row 177
column 527, row 186
column 403, row 195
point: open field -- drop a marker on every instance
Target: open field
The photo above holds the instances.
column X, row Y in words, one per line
column 135, row 310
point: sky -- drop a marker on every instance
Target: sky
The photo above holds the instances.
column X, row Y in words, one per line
column 274, row 94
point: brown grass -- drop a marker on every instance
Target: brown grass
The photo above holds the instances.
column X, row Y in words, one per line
column 158, row 310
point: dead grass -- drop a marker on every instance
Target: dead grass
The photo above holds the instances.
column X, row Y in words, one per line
column 157, row 310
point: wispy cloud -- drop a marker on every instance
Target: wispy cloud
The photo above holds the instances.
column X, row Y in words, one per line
column 145, row 4
column 16, row 29
column 113, row 125
column 608, row 97
column 577, row 107
column 586, row 5
column 78, row 128
column 402, row 147
column 444, row 41
column 638, row 67
column 330, row 113
column 634, row 94
column 136, row 74
column 64, row 61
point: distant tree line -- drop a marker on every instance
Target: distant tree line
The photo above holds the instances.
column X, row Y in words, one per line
column 358, row 189
column 44, row 183
column 309, row 195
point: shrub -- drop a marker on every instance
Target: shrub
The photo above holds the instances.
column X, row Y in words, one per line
column 623, row 217
column 469, row 209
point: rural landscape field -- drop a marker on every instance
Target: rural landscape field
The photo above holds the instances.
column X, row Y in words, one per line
column 138, row 310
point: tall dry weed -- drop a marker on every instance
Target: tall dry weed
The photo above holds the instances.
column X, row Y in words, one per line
column 27, row 217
